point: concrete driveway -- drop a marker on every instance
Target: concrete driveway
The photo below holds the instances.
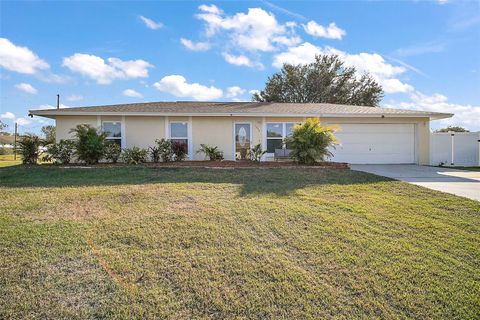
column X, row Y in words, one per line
column 459, row 182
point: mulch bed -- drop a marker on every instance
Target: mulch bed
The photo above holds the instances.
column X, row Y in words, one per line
column 227, row 164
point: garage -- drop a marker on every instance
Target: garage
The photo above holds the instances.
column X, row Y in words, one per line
column 375, row 143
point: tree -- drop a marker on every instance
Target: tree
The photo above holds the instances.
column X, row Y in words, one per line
column 310, row 141
column 326, row 80
column 452, row 129
column 89, row 143
column 3, row 126
column 49, row 132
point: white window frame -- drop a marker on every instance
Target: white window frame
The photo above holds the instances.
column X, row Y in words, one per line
column 122, row 131
column 284, row 134
column 234, row 151
column 188, row 137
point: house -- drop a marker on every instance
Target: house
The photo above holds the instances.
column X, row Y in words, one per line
column 367, row 134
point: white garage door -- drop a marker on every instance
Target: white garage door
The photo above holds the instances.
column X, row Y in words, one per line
column 375, row 143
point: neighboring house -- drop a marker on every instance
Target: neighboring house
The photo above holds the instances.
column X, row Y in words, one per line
column 6, row 141
column 366, row 134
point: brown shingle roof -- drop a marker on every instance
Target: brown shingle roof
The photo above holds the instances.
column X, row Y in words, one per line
column 237, row 108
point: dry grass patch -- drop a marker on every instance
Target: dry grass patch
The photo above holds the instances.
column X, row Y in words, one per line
column 138, row 242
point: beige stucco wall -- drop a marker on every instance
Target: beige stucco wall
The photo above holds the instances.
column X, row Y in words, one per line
column 141, row 131
column 65, row 123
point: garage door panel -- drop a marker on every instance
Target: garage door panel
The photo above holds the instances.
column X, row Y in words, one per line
column 375, row 128
column 374, row 138
column 375, row 143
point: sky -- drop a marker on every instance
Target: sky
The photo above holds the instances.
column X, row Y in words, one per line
column 425, row 54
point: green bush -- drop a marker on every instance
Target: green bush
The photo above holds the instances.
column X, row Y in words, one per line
column 154, row 153
column 165, row 149
column 61, row 152
column 212, row 153
column 112, row 152
column 256, row 153
column 134, row 155
column 28, row 147
column 179, row 150
column 89, row 143
column 310, row 142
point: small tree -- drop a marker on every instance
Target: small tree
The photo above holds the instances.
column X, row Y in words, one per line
column 28, row 147
column 89, row 144
column 256, row 153
column 310, row 142
column 452, row 129
column 154, row 153
column 112, row 152
column 165, row 149
column 49, row 133
column 134, row 155
column 179, row 150
column 61, row 152
column 212, row 153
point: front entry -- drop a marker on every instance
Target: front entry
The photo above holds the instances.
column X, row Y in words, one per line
column 243, row 137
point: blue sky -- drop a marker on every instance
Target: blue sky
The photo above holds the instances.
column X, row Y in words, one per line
column 426, row 54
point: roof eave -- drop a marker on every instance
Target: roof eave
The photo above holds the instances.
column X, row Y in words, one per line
column 53, row 113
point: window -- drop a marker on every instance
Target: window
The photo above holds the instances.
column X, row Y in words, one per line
column 179, row 133
column 113, row 129
column 276, row 133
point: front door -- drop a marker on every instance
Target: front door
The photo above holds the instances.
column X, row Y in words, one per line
column 242, row 140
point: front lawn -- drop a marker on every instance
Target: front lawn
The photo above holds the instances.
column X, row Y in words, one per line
column 138, row 242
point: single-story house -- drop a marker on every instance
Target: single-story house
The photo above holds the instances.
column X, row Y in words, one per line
column 366, row 134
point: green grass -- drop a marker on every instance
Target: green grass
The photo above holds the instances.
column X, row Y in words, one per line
column 136, row 242
column 7, row 160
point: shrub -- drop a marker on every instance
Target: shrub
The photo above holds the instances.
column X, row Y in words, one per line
column 165, row 149
column 310, row 141
column 211, row 152
column 89, row 144
column 28, row 147
column 179, row 150
column 60, row 152
column 256, row 153
column 112, row 152
column 134, row 155
column 154, row 153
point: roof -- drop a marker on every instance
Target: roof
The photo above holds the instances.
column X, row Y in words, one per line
column 191, row 108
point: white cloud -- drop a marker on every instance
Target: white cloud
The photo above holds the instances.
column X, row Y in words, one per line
column 465, row 115
column 7, row 115
column 235, row 91
column 177, row 85
column 26, row 87
column 319, row 31
column 302, row 54
column 195, row 46
column 253, row 91
column 241, row 60
column 210, row 9
column 105, row 72
column 74, row 97
column 19, row 59
column 256, row 30
column 149, row 23
column 49, row 106
column 131, row 93
column 373, row 63
column 23, row 121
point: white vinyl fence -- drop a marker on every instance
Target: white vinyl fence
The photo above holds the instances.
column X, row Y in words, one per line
column 460, row 149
